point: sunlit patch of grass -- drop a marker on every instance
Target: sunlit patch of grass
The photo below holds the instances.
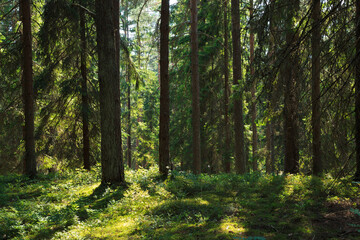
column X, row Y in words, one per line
column 231, row 226
column 86, row 190
column 185, row 206
column 116, row 228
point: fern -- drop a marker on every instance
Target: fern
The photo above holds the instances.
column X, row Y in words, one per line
column 357, row 212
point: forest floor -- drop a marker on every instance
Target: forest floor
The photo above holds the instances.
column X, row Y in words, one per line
column 224, row 206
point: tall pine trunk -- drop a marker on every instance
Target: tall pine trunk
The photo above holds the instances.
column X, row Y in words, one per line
column 240, row 161
column 253, row 89
column 84, row 93
column 227, row 162
column 195, row 89
column 27, row 88
column 164, row 155
column 290, row 75
column 357, row 91
column 107, row 13
column 128, row 97
column 316, row 118
column 271, row 97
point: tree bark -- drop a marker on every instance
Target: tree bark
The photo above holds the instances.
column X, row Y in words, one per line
column 271, row 102
column 84, row 93
column 291, row 98
column 253, row 89
column 195, row 89
column 316, row 118
column 164, row 154
column 227, row 162
column 107, row 13
column 268, row 147
column 27, row 88
column 240, row 161
column 357, row 92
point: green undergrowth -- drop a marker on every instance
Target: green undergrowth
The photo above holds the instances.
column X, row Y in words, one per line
column 74, row 205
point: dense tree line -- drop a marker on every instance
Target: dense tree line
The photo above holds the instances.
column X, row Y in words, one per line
column 207, row 86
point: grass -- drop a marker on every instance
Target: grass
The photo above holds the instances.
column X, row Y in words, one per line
column 225, row 206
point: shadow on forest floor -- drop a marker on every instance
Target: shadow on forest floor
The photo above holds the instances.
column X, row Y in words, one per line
column 185, row 206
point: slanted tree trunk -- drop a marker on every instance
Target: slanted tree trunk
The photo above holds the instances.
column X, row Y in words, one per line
column 253, row 89
column 195, row 89
column 27, row 88
column 240, row 161
column 84, row 93
column 357, row 92
column 291, row 98
column 109, row 77
column 227, row 162
column 164, row 154
column 316, row 119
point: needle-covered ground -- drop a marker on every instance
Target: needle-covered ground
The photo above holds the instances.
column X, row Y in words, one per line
column 224, row 206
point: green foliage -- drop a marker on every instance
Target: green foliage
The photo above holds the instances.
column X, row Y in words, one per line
column 74, row 205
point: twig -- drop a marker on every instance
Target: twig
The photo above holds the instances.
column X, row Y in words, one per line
column 84, row 8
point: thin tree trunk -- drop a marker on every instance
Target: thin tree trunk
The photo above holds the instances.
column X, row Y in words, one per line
column 268, row 148
column 269, row 124
column 316, row 118
column 253, row 89
column 107, row 13
column 240, row 161
column 27, row 88
column 164, row 154
column 227, row 162
column 357, row 92
column 129, row 150
column 291, row 99
column 84, row 93
column 116, row 17
column 195, row 89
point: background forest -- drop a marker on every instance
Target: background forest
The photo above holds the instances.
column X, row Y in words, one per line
column 64, row 102
column 207, row 103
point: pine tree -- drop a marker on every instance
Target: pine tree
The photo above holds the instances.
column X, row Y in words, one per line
column 109, row 78
column 227, row 162
column 357, row 91
column 164, row 154
column 316, row 120
column 240, row 162
column 290, row 75
column 27, row 86
column 195, row 89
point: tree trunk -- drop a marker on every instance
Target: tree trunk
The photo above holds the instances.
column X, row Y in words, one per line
column 195, row 89
column 84, row 93
column 253, row 89
column 116, row 18
column 357, row 92
column 268, row 147
column 27, row 88
column 129, row 149
column 240, row 161
column 316, row 118
column 164, row 154
column 107, row 29
column 227, row 162
column 271, row 102
column 291, row 98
